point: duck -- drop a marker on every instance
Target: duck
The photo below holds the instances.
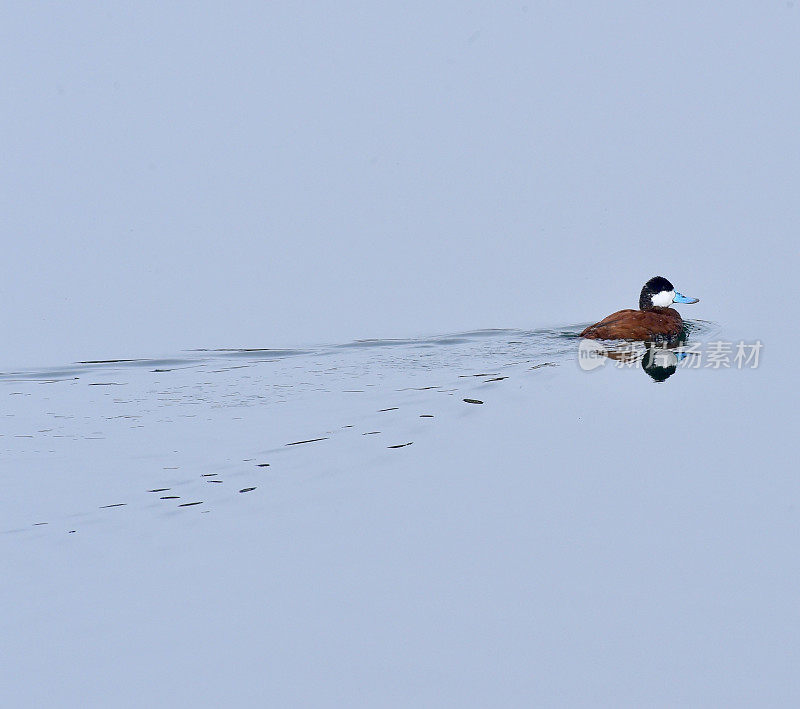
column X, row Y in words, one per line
column 654, row 321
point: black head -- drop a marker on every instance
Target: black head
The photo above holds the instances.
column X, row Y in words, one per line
column 656, row 285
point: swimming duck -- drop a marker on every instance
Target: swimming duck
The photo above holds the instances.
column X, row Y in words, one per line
column 654, row 321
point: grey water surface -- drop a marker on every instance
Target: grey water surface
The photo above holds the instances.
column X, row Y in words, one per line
column 240, row 462
column 467, row 518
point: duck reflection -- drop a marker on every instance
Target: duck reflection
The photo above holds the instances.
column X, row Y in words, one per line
column 659, row 360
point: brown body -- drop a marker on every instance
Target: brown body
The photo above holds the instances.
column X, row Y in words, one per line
column 652, row 324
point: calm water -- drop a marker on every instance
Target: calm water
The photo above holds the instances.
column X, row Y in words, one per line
column 103, row 431
column 350, row 520
column 491, row 518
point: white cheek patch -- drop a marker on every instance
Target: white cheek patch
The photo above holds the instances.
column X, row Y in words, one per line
column 663, row 299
